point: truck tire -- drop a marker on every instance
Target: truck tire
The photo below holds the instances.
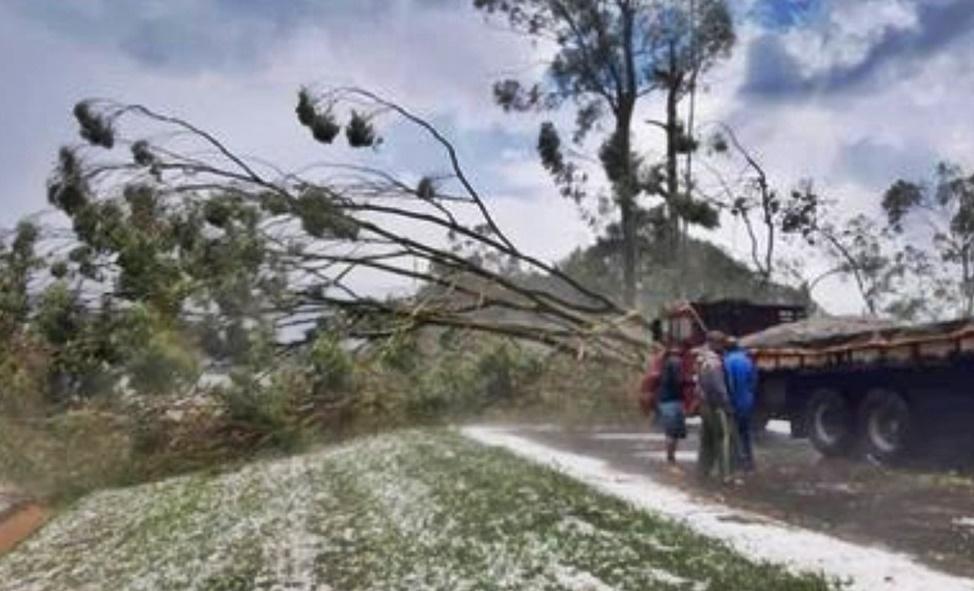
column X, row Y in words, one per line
column 886, row 423
column 830, row 423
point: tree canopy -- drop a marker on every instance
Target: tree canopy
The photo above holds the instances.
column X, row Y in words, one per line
column 607, row 55
column 240, row 252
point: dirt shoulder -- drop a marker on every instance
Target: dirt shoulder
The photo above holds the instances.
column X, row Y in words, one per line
column 18, row 521
column 928, row 515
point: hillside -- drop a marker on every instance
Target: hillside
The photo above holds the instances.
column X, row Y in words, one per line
column 405, row 510
column 705, row 272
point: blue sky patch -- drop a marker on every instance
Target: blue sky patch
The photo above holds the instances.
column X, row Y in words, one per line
column 785, row 14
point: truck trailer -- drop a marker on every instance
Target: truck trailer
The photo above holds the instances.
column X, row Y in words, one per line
column 878, row 388
column 850, row 385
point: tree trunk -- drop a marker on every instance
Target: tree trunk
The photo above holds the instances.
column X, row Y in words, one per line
column 627, row 207
column 966, row 284
column 627, row 190
column 672, row 160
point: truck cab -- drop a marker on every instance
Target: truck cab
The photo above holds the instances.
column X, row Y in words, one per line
column 689, row 322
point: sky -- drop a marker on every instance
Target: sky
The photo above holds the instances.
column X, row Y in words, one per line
column 851, row 94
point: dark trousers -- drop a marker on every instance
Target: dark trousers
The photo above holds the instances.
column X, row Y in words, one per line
column 745, row 454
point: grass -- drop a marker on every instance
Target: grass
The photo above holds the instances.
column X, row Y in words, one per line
column 407, row 510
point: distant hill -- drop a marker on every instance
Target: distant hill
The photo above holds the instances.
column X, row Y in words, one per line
column 703, row 272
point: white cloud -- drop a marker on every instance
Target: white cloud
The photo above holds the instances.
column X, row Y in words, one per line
column 441, row 61
column 851, row 32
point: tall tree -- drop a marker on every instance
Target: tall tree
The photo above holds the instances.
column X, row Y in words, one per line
column 858, row 247
column 16, row 265
column 609, row 54
column 751, row 193
column 939, row 219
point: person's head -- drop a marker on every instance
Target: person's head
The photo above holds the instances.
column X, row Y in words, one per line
column 716, row 341
column 732, row 343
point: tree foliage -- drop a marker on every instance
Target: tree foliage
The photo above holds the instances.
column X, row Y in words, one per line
column 937, row 220
column 221, row 256
column 608, row 54
column 18, row 261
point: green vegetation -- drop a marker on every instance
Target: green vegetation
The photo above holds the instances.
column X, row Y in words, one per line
column 607, row 59
column 399, row 511
column 704, row 272
column 192, row 309
column 317, row 394
column 197, row 313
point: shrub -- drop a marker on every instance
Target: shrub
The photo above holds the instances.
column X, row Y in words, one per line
column 269, row 412
column 65, row 455
column 273, row 404
column 467, row 377
column 507, row 372
column 587, row 390
column 163, row 365
column 332, row 367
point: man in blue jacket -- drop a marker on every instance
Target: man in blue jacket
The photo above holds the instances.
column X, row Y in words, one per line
column 742, row 381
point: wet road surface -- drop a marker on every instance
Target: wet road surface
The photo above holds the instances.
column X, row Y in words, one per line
column 928, row 514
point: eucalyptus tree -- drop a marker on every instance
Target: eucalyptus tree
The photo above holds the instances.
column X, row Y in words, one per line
column 608, row 55
column 18, row 261
column 199, row 234
column 938, row 219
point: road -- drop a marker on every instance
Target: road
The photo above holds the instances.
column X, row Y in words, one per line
column 928, row 515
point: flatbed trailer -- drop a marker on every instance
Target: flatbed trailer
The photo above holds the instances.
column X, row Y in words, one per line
column 881, row 389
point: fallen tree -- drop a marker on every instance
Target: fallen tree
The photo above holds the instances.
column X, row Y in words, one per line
column 207, row 236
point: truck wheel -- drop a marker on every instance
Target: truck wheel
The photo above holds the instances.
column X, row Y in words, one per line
column 887, row 424
column 830, row 423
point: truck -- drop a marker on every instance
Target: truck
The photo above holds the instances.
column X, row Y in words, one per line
column 684, row 326
column 850, row 385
